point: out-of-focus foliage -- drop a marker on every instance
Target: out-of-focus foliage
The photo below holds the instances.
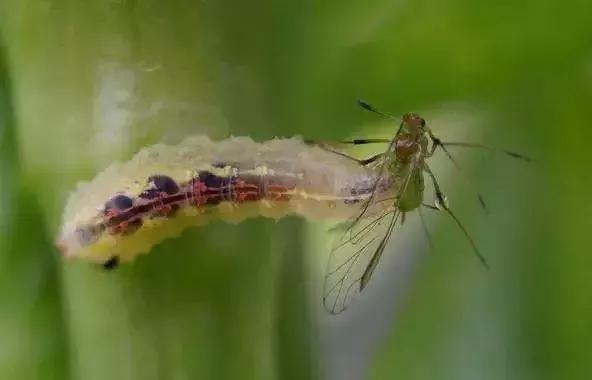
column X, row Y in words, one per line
column 87, row 83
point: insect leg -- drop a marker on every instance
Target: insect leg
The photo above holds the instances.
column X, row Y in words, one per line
column 424, row 226
column 350, row 142
column 442, row 204
column 363, row 162
column 328, row 148
column 436, row 142
column 482, row 146
column 430, row 207
column 371, row 159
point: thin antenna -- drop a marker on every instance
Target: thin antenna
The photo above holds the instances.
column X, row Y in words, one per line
column 367, row 106
column 482, row 146
column 438, row 143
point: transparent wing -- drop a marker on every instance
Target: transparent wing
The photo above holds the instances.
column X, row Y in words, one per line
column 358, row 249
column 355, row 255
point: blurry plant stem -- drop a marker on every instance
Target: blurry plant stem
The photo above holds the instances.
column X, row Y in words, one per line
column 296, row 346
column 93, row 82
column 31, row 321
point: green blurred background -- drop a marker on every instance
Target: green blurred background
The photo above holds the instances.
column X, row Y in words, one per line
column 83, row 84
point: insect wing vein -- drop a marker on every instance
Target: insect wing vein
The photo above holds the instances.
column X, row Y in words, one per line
column 351, row 257
column 356, row 254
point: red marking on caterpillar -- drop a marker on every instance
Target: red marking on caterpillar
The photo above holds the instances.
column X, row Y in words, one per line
column 163, row 190
column 197, row 193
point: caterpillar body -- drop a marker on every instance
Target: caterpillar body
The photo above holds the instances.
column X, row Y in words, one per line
column 164, row 189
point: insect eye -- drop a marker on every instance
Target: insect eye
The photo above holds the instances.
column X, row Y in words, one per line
column 119, row 202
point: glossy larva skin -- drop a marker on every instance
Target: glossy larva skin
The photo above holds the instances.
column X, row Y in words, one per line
column 286, row 176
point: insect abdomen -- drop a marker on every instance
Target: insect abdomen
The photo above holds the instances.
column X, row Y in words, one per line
column 412, row 197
